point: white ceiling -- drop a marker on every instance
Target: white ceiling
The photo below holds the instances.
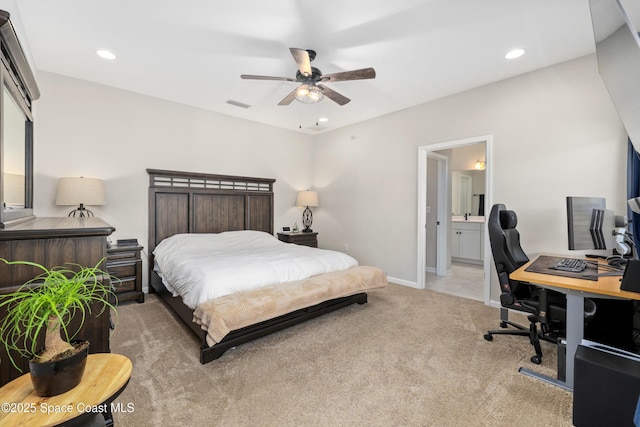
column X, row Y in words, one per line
column 193, row 51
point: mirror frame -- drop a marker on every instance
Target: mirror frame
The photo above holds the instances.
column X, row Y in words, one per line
column 18, row 79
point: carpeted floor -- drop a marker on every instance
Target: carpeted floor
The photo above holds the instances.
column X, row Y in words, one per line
column 407, row 358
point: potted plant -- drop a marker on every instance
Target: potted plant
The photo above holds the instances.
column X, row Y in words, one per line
column 49, row 302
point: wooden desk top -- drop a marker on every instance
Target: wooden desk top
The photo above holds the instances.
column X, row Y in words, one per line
column 105, row 375
column 606, row 285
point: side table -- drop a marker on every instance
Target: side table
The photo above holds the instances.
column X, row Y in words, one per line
column 299, row 238
column 106, row 375
column 125, row 263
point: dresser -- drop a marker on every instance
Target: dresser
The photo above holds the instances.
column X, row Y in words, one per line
column 299, row 238
column 125, row 263
column 53, row 242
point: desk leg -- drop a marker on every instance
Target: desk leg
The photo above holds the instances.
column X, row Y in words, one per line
column 575, row 332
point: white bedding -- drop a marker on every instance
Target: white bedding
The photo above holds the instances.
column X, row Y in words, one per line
column 199, row 267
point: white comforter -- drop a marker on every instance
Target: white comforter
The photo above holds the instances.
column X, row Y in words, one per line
column 199, row 267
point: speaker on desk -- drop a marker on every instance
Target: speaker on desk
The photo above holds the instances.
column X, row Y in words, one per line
column 606, row 386
column 631, row 277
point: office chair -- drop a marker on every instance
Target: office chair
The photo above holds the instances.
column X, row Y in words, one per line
column 548, row 308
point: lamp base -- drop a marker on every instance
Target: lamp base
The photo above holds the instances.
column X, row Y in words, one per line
column 81, row 212
column 307, row 220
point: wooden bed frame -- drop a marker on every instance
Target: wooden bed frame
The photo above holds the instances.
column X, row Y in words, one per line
column 183, row 202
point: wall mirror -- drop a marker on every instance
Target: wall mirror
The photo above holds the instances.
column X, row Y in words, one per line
column 19, row 90
column 467, row 192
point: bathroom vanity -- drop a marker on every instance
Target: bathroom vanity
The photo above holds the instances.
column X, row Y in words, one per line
column 467, row 239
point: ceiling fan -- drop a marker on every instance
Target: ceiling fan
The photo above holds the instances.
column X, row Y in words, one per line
column 312, row 89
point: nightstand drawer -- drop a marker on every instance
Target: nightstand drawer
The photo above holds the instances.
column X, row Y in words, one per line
column 114, row 256
column 122, row 270
column 127, row 284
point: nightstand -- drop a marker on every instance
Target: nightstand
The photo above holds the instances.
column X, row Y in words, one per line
column 299, row 238
column 125, row 263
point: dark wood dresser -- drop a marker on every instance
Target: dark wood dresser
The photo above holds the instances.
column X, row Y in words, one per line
column 125, row 263
column 52, row 242
column 299, row 238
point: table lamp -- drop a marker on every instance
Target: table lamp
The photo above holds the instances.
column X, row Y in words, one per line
column 307, row 199
column 80, row 191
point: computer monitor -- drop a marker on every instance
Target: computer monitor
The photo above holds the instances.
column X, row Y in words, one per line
column 590, row 225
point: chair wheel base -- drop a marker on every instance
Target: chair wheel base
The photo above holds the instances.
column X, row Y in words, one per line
column 536, row 359
column 503, row 324
column 488, row 337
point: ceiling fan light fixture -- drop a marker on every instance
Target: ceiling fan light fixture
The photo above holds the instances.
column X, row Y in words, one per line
column 309, row 94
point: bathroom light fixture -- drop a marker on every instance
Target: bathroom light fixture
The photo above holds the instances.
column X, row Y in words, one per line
column 514, row 53
column 106, row 54
column 309, row 94
column 480, row 165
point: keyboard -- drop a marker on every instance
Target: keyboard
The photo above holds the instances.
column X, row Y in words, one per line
column 571, row 264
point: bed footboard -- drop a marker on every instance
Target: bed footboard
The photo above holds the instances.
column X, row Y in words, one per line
column 249, row 333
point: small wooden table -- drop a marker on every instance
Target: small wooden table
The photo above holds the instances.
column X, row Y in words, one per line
column 105, row 376
column 299, row 238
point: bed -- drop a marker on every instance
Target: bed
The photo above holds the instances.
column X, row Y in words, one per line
column 188, row 210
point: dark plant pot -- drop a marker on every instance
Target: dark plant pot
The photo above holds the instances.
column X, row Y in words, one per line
column 58, row 376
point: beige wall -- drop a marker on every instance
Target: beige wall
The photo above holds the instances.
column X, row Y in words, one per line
column 556, row 133
column 84, row 129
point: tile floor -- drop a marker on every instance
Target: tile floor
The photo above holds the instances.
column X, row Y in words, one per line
column 465, row 281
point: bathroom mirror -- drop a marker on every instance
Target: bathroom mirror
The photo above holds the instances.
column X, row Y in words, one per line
column 467, row 192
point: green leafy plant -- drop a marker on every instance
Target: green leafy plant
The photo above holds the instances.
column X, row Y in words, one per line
column 49, row 302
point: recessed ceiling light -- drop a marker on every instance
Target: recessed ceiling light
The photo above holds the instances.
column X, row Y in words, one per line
column 515, row 53
column 102, row 53
column 323, row 119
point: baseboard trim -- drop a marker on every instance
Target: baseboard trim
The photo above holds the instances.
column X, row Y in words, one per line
column 403, row 282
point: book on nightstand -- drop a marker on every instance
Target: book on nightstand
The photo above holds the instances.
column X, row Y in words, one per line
column 127, row 242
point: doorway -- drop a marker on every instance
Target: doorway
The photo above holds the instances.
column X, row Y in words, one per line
column 444, row 246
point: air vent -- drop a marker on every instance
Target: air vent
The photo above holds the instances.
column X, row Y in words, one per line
column 238, row 104
column 318, row 128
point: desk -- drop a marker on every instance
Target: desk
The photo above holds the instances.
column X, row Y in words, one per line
column 105, row 376
column 575, row 290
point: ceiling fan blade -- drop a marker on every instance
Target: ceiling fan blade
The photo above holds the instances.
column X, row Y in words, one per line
column 289, row 98
column 364, row 73
column 333, row 95
column 252, row 77
column 301, row 57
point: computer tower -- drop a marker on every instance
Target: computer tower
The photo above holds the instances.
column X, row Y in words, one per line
column 606, row 386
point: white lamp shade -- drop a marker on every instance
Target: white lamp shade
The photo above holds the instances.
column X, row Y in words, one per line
column 74, row 191
column 307, row 198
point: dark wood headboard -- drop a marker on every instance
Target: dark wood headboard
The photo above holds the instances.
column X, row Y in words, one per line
column 185, row 202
